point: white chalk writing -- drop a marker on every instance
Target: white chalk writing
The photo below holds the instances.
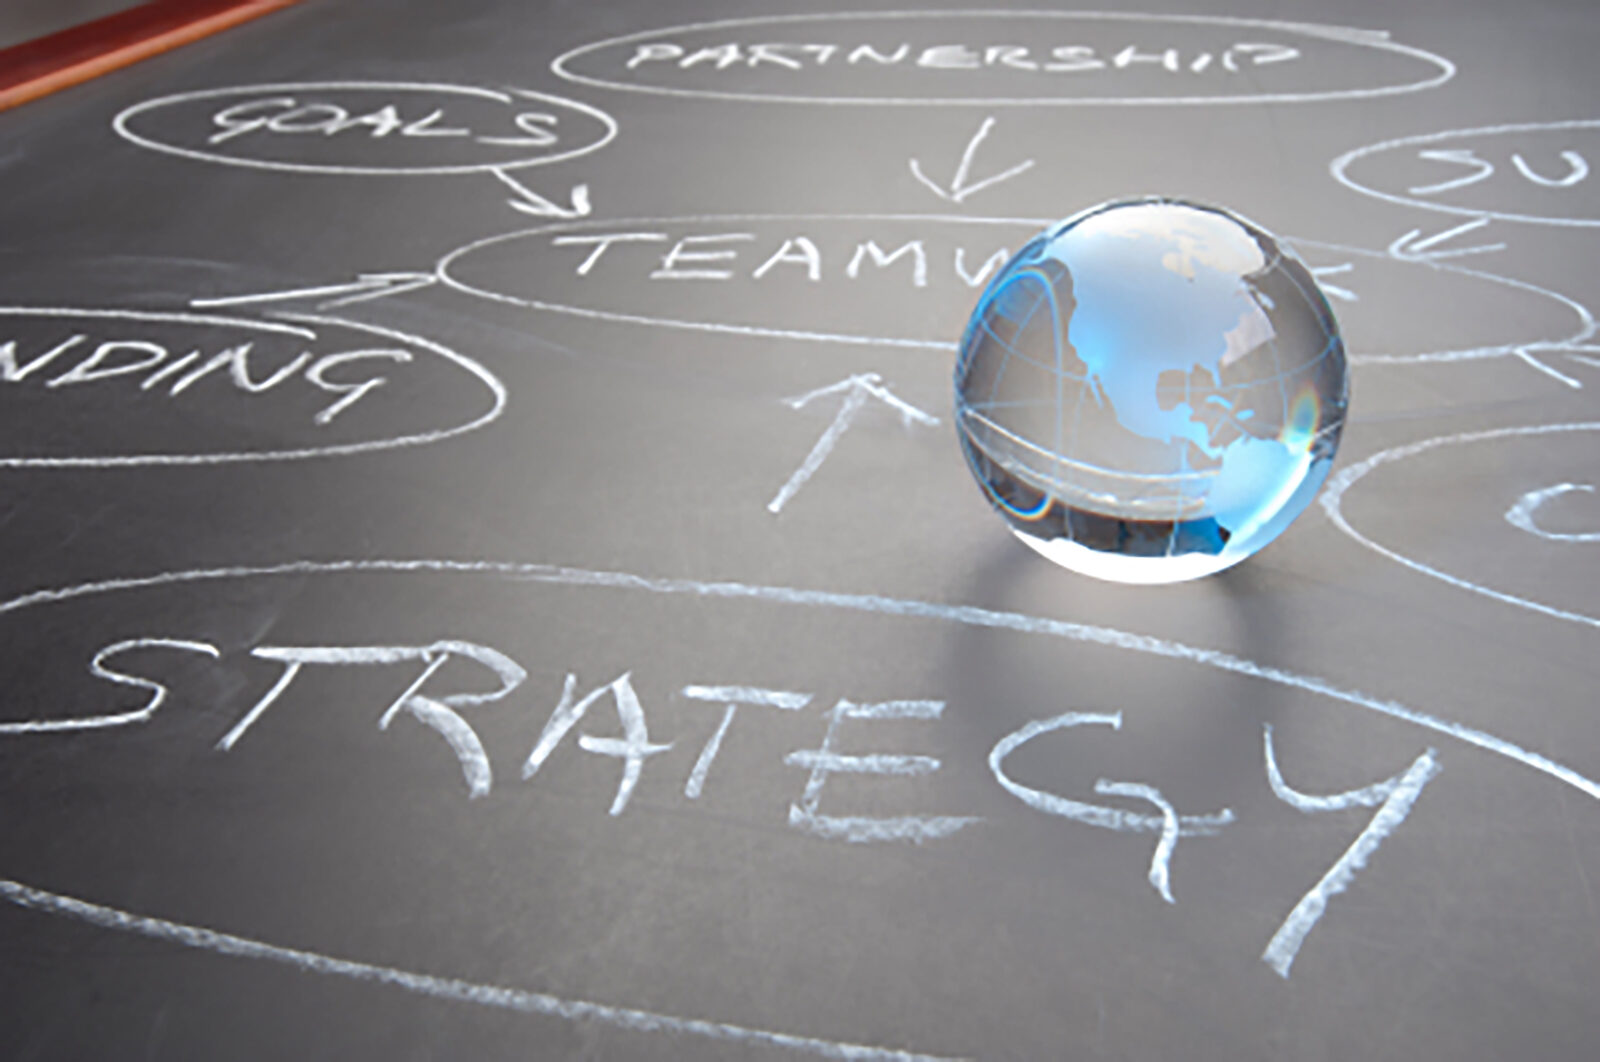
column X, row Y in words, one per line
column 856, row 390
column 1393, row 798
column 1520, row 515
column 827, row 760
column 731, row 697
column 632, row 748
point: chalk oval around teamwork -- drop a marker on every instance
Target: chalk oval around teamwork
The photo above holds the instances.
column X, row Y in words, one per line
column 1339, row 168
column 1434, row 70
column 297, row 325
column 1339, row 484
column 453, row 267
column 604, row 131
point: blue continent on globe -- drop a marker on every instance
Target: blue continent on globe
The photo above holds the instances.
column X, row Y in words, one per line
column 1151, row 390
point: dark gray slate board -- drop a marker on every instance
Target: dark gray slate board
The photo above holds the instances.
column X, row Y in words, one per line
column 310, row 802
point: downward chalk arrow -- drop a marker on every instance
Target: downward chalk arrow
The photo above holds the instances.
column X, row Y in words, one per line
column 856, row 390
column 366, row 286
column 528, row 201
column 959, row 188
column 1409, row 248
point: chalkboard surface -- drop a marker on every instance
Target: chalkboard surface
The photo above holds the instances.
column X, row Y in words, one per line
column 490, row 573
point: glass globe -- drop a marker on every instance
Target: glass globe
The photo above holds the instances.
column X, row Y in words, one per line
column 1151, row 390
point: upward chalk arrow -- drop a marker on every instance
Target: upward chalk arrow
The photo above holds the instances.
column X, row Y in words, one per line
column 959, row 188
column 856, row 390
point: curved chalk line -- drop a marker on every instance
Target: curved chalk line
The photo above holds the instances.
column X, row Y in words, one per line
column 451, row 988
column 533, row 1002
column 1333, row 492
column 1520, row 515
column 1377, row 40
column 483, row 375
column 1339, row 166
column 1586, row 320
column 442, row 270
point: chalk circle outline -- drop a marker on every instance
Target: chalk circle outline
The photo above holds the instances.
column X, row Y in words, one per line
column 1332, row 500
column 286, row 323
column 442, row 270
column 1340, row 166
column 120, row 124
column 201, row 938
column 1375, row 39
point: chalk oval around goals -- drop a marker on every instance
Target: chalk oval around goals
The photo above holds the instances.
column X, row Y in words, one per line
column 367, row 128
column 1006, row 58
column 300, row 330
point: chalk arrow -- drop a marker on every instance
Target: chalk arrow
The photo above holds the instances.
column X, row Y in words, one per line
column 1411, row 248
column 528, row 201
column 856, row 390
column 959, row 188
column 366, row 286
column 1334, row 291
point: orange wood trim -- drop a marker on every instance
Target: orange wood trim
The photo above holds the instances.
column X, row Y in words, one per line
column 73, row 56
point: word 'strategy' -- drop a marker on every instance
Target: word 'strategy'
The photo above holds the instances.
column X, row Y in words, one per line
column 1533, row 172
column 443, row 712
column 308, row 372
column 1006, row 57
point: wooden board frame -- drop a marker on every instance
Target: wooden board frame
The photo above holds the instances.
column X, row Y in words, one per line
column 39, row 67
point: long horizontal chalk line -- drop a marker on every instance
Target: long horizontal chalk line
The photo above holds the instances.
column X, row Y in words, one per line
column 449, row 988
column 970, row 615
column 161, row 317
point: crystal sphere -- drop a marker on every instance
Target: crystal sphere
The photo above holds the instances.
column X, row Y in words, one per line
column 1151, row 390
